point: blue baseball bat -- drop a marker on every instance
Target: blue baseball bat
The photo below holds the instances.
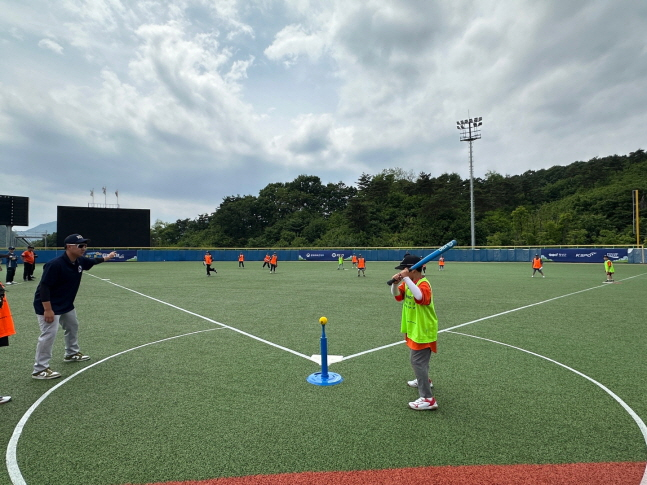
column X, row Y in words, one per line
column 429, row 257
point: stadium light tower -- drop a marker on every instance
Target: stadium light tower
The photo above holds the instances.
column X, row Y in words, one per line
column 470, row 131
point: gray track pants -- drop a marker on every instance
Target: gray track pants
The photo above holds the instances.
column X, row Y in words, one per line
column 420, row 365
column 48, row 334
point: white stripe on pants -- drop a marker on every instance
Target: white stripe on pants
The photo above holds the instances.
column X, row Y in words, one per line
column 48, row 335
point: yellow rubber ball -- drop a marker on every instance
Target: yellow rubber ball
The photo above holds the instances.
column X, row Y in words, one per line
column 323, row 320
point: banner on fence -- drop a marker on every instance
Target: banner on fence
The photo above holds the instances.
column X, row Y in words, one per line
column 583, row 255
column 122, row 256
column 325, row 255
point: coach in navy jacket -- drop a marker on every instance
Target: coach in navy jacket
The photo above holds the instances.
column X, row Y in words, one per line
column 54, row 304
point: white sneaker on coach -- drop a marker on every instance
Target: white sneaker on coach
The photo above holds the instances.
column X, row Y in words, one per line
column 46, row 374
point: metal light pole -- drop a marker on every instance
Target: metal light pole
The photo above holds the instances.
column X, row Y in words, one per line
column 470, row 131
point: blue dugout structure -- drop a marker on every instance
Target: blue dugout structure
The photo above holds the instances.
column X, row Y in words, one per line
column 634, row 255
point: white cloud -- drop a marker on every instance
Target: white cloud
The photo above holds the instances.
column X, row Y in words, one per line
column 51, row 45
column 293, row 41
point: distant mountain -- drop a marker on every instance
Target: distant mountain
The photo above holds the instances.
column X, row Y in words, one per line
column 49, row 228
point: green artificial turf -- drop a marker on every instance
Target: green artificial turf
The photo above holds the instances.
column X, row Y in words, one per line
column 215, row 402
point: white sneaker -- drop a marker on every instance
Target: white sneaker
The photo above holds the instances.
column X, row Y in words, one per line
column 414, row 383
column 4, row 399
column 424, row 404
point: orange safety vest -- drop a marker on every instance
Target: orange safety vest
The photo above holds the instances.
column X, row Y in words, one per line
column 267, row 258
column 354, row 259
column 274, row 259
column 208, row 259
column 28, row 257
column 441, row 261
column 6, row 320
column 241, row 258
column 361, row 263
column 536, row 263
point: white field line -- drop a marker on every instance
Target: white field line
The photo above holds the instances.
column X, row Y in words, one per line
column 632, row 413
column 12, row 461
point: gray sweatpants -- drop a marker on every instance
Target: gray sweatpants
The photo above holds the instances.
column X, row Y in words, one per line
column 48, row 334
column 420, row 365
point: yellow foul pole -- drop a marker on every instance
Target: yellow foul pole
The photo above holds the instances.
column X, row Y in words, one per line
column 637, row 205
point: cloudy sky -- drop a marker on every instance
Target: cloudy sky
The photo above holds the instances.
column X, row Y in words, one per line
column 176, row 104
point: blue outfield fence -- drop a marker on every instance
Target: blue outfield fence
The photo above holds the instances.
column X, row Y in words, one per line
column 513, row 255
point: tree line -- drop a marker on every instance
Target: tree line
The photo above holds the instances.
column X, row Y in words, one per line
column 579, row 204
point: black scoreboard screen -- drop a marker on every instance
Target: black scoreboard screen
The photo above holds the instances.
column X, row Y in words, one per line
column 14, row 211
column 105, row 227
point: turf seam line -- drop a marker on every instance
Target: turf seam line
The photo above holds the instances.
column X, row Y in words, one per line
column 603, row 285
column 632, row 413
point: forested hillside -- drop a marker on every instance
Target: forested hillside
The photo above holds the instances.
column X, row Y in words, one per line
column 582, row 203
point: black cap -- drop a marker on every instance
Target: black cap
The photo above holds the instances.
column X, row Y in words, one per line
column 11, row 248
column 408, row 261
column 30, row 247
column 75, row 239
